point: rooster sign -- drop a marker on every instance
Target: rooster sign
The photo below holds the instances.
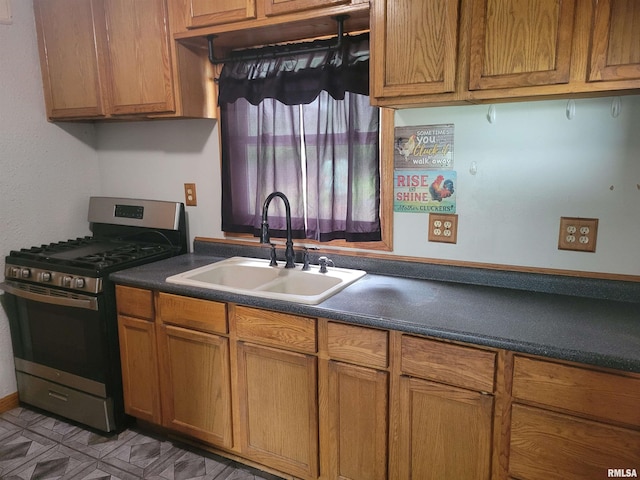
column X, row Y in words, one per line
column 424, row 191
column 425, row 181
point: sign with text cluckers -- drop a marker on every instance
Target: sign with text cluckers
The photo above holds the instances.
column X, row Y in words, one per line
column 424, row 179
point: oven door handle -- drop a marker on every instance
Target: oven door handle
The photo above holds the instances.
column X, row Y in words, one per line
column 77, row 301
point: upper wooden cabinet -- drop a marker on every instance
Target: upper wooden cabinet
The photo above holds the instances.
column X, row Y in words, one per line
column 277, row 7
column 239, row 24
column 201, row 13
column 615, row 47
column 515, row 44
column 108, row 58
column 69, row 52
column 470, row 51
column 415, row 47
column 138, row 56
column 215, row 12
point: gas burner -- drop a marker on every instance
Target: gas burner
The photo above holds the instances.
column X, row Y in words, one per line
column 120, row 254
column 43, row 251
column 93, row 255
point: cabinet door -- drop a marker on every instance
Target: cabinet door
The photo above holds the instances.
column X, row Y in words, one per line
column 615, row 48
column 196, row 396
column 445, row 432
column 139, row 64
column 553, row 446
column 216, row 12
column 139, row 358
column 279, row 409
column 277, row 7
column 69, row 58
column 414, row 46
column 357, row 422
column 520, row 44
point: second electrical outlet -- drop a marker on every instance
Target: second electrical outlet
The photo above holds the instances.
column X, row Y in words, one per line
column 578, row 234
column 443, row 228
column 190, row 195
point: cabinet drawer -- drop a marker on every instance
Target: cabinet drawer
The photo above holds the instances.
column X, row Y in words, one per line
column 351, row 343
column 447, row 363
column 579, row 390
column 276, row 329
column 194, row 313
column 134, row 302
column 552, row 446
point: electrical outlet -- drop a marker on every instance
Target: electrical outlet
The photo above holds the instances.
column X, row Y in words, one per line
column 578, row 234
column 5, row 12
column 190, row 194
column 443, row 228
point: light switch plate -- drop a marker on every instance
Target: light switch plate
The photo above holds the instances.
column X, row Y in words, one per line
column 5, row 12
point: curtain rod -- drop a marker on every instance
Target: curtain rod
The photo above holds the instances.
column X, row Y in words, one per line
column 280, row 50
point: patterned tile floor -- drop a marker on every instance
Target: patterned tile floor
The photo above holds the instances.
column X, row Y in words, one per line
column 35, row 446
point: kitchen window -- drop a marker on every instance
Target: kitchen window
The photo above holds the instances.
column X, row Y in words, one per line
column 303, row 124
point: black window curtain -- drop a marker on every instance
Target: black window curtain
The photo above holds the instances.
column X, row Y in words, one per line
column 302, row 124
column 298, row 78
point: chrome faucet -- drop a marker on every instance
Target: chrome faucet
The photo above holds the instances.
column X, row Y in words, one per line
column 264, row 232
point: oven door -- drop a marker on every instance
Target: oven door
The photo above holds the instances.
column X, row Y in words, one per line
column 61, row 353
column 58, row 335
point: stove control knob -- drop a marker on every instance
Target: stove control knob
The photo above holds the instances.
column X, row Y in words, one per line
column 25, row 273
column 79, row 282
column 14, row 272
column 45, row 277
column 66, row 281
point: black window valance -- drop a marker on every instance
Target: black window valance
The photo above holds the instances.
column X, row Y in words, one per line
column 298, row 78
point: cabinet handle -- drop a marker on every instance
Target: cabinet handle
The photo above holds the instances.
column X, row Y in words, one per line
column 59, row 396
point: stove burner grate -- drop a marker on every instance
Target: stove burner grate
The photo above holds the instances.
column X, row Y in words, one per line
column 91, row 253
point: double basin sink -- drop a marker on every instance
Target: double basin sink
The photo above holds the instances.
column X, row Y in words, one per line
column 255, row 277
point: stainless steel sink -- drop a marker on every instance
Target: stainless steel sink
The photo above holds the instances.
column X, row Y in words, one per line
column 255, row 277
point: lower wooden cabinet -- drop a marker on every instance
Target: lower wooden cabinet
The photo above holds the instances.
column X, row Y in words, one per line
column 354, row 399
column 139, row 359
column 195, row 384
column 442, row 410
column 572, row 423
column 445, row 432
column 546, row 445
column 277, row 393
column 321, row 400
column 138, row 353
column 358, row 412
column 195, row 380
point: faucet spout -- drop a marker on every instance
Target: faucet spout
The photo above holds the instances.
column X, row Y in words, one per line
column 264, row 231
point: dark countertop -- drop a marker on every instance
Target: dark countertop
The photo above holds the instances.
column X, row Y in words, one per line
column 597, row 331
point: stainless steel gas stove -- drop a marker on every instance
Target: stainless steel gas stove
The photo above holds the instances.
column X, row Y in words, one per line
column 62, row 313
